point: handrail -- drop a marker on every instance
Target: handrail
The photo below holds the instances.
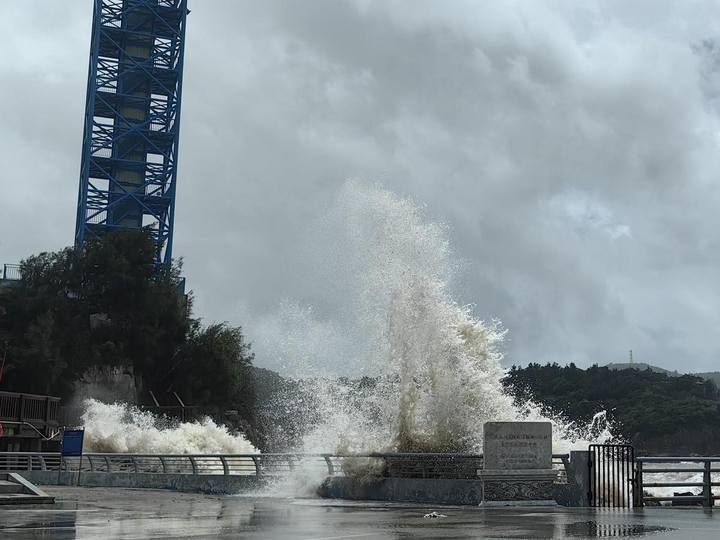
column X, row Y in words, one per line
column 705, row 497
column 26, row 395
column 274, row 454
column 257, row 465
column 678, row 459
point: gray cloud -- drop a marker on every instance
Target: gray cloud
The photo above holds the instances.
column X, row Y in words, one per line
column 571, row 148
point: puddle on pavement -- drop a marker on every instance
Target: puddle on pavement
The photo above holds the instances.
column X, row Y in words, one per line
column 594, row 529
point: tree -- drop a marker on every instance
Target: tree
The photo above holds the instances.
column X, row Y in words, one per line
column 213, row 368
column 77, row 311
column 106, row 304
column 656, row 412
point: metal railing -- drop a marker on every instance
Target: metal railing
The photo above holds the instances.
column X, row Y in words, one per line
column 29, row 461
column 11, row 272
column 40, row 413
column 71, row 415
column 258, row 465
column 683, row 469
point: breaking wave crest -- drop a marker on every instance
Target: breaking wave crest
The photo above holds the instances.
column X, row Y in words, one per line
column 119, row 427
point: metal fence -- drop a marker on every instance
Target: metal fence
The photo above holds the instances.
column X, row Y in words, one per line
column 213, row 464
column 686, row 474
column 612, row 476
column 258, row 465
column 29, row 461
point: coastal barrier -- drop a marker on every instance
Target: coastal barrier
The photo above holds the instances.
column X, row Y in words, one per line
column 226, row 473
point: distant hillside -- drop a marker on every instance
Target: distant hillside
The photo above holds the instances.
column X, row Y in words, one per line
column 660, row 412
column 713, row 376
column 641, row 366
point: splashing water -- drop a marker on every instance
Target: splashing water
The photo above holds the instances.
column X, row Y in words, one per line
column 119, row 427
column 435, row 370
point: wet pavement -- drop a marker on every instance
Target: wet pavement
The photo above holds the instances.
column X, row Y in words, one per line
column 109, row 513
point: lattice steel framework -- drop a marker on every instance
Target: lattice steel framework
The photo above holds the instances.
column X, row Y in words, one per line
column 132, row 120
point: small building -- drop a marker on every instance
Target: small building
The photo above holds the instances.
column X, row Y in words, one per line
column 9, row 276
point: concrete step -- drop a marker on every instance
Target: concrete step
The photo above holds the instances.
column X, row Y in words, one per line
column 24, row 498
column 14, row 489
column 10, row 487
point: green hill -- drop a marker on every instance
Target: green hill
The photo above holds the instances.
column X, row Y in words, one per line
column 660, row 413
column 713, row 376
column 642, row 366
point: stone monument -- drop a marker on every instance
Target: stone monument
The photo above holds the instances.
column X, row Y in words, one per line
column 517, row 465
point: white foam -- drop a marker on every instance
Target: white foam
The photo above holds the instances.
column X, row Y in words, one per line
column 119, row 427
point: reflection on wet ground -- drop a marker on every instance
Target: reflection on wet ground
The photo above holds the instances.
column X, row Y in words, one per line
column 134, row 514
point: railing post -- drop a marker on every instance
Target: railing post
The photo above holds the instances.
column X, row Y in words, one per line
column 194, row 466
column 92, row 464
column 708, row 500
column 135, row 468
column 21, row 406
column 43, row 466
column 162, row 462
column 47, row 415
column 107, row 462
column 592, row 473
column 258, row 467
column 330, row 466
column 226, row 468
column 638, row 493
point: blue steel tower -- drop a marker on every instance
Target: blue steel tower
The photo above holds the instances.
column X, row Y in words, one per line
column 132, row 120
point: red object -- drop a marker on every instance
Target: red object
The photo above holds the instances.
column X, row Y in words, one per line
column 2, row 430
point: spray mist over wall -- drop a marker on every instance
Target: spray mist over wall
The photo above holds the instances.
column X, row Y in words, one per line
column 433, row 370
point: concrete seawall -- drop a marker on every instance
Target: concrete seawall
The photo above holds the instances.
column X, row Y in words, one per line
column 418, row 490
column 218, row 484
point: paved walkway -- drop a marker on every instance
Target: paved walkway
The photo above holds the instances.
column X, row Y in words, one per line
column 106, row 513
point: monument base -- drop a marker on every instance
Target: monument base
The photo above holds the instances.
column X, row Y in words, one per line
column 517, row 486
column 498, row 504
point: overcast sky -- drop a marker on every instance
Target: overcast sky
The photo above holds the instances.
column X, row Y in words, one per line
column 571, row 149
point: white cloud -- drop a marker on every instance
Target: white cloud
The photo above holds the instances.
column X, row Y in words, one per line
column 571, row 147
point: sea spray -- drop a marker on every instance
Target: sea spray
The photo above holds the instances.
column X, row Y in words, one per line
column 426, row 374
column 120, row 427
column 434, row 369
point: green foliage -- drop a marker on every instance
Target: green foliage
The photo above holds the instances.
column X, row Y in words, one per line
column 109, row 305
column 213, row 370
column 653, row 410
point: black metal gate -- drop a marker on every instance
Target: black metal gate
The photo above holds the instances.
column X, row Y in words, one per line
column 612, row 476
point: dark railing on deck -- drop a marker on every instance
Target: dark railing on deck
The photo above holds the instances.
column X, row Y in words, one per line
column 71, row 416
column 40, row 412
